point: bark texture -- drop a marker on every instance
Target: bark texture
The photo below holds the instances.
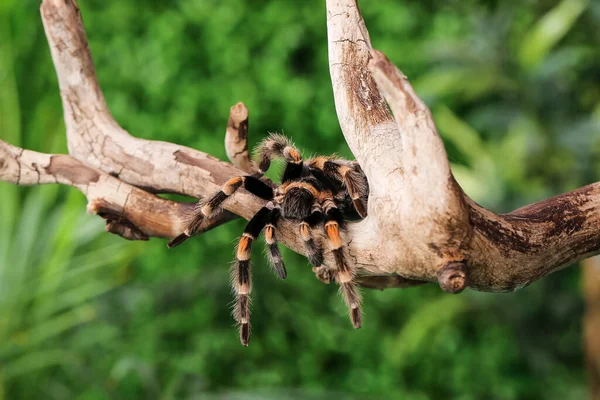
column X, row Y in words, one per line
column 421, row 226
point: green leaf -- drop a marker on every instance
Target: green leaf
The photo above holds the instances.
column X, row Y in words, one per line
column 552, row 27
column 482, row 181
column 35, row 361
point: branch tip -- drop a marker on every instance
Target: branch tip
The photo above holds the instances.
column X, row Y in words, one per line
column 380, row 61
column 236, row 139
column 93, row 207
column 239, row 112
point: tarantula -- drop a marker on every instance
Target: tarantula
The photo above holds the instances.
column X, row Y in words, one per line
column 325, row 190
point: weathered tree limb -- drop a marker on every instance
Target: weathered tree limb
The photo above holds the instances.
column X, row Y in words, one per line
column 591, row 323
column 236, row 139
column 421, row 226
column 364, row 117
column 427, row 221
column 130, row 212
column 97, row 140
column 387, row 282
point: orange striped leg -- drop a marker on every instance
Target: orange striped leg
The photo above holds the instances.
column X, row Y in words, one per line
column 343, row 274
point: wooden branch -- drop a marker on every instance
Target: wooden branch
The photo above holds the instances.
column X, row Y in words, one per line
column 236, row 139
column 421, row 226
column 129, row 212
column 591, row 323
column 431, row 204
column 443, row 225
column 96, row 139
column 364, row 117
column 387, row 282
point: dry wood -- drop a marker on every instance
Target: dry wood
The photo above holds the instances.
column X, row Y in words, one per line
column 591, row 323
column 421, row 226
column 129, row 212
column 236, row 139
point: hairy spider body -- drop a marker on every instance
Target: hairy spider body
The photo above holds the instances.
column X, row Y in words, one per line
column 321, row 190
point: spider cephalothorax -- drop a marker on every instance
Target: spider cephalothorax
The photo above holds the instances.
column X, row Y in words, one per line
column 321, row 192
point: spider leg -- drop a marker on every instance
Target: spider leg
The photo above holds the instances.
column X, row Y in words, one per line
column 273, row 252
column 347, row 173
column 206, row 209
column 241, row 270
column 250, row 183
column 314, row 253
column 278, row 146
column 323, row 274
column 343, row 274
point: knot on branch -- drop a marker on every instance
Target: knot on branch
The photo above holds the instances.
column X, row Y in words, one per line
column 454, row 277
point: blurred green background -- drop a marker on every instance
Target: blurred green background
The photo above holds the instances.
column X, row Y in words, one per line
column 515, row 89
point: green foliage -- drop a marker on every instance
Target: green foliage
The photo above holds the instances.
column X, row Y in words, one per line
column 515, row 90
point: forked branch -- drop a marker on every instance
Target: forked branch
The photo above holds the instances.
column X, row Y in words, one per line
column 129, row 212
column 421, row 226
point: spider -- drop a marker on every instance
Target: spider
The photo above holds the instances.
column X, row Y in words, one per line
column 320, row 190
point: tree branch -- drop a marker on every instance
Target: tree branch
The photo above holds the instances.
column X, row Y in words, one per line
column 366, row 122
column 96, row 139
column 236, row 139
column 432, row 230
column 591, row 323
column 129, row 212
column 421, row 226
